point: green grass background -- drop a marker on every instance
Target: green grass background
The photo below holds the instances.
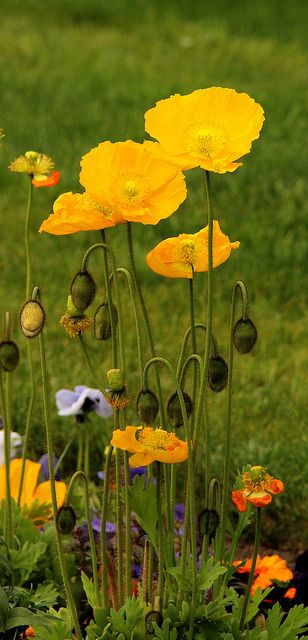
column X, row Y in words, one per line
column 76, row 73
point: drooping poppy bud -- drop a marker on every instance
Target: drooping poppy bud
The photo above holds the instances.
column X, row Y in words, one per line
column 32, row 318
column 244, row 335
column 83, row 289
column 150, row 618
column 66, row 519
column 175, row 412
column 102, row 321
column 208, row 522
column 9, row 355
column 147, row 406
column 218, row 373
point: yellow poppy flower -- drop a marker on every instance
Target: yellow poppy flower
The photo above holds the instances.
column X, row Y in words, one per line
column 148, row 444
column 258, row 488
column 210, row 128
column 31, row 491
column 175, row 257
column 133, row 182
column 74, row 212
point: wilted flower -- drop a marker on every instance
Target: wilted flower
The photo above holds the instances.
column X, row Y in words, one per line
column 178, row 257
column 258, row 488
column 81, row 401
column 152, row 444
column 74, row 320
column 38, row 166
column 16, row 442
column 210, row 128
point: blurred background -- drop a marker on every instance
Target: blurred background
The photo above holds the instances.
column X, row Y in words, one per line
column 74, row 74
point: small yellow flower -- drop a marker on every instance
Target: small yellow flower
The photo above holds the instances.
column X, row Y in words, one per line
column 37, row 165
column 148, row 444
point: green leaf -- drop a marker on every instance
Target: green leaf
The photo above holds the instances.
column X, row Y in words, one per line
column 296, row 622
column 59, row 627
column 4, row 609
column 46, row 595
column 256, row 599
column 143, row 502
column 88, row 586
column 25, row 559
column 209, row 574
column 20, row 617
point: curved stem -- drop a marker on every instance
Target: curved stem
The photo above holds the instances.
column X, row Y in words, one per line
column 83, row 477
column 238, row 286
column 253, row 566
column 67, row 586
column 198, row 325
column 191, row 488
column 146, row 321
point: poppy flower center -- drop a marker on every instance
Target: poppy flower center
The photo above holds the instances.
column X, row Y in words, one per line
column 188, row 251
column 256, row 480
column 132, row 191
column 205, row 139
column 157, row 439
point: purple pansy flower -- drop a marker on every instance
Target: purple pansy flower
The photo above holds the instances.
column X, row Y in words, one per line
column 45, row 466
column 81, row 401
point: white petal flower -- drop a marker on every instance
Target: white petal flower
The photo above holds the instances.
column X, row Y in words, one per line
column 16, row 442
column 81, row 401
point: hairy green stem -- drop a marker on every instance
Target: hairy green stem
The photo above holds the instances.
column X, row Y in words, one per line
column 253, row 566
column 7, row 446
column 67, row 586
column 81, row 475
column 146, row 321
column 104, row 557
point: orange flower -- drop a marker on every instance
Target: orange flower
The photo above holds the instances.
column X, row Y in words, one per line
column 267, row 570
column 258, row 488
column 148, row 444
column 47, row 181
column 175, row 257
column 31, row 491
column 76, row 212
column 30, row 633
column 133, row 182
column 210, row 128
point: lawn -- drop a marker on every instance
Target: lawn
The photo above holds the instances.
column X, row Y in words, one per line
column 75, row 74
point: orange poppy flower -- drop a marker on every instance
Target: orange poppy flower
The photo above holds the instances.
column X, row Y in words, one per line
column 258, row 488
column 267, row 570
column 31, row 491
column 46, row 181
column 30, row 633
column 175, row 257
column 133, row 182
column 148, row 444
column 74, row 212
column 208, row 128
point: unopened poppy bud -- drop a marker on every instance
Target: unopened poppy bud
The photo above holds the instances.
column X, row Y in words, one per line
column 115, row 380
column 83, row 289
column 116, row 393
column 244, row 335
column 102, row 321
column 208, row 522
column 147, row 406
column 174, row 409
column 150, row 618
column 9, row 355
column 32, row 318
column 66, row 519
column 218, row 373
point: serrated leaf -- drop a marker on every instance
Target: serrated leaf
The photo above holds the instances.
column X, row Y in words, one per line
column 25, row 559
column 20, row 617
column 209, row 574
column 280, row 627
column 89, row 588
column 45, row 595
column 256, row 599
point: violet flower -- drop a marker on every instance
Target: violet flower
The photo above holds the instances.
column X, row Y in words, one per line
column 81, row 401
